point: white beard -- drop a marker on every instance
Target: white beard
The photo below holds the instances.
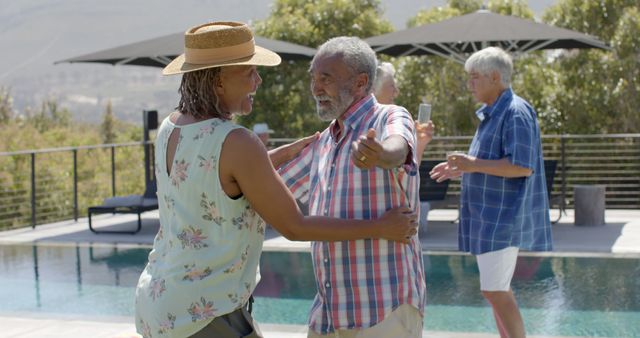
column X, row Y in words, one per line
column 338, row 106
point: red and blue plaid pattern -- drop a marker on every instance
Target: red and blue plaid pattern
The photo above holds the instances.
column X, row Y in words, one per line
column 359, row 282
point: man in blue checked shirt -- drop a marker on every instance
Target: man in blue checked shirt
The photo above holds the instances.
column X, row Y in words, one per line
column 503, row 202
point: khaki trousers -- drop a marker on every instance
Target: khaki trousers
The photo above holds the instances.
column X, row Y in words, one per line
column 403, row 322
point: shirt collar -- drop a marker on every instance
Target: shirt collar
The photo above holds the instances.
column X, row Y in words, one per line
column 486, row 111
column 353, row 115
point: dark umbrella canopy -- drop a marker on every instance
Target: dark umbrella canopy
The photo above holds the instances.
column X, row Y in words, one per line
column 158, row 52
column 455, row 37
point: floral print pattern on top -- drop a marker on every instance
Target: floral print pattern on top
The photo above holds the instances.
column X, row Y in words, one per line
column 179, row 172
column 146, row 330
column 160, row 235
column 211, row 213
column 248, row 219
column 233, row 297
column 192, row 273
column 207, row 130
column 169, row 202
column 192, row 238
column 253, row 218
column 202, row 310
column 207, row 164
column 167, row 324
column 157, row 288
column 190, row 280
column 240, row 263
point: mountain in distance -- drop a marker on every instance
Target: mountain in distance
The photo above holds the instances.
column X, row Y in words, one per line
column 36, row 33
column 39, row 32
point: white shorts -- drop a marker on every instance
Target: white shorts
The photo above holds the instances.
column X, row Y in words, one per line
column 496, row 269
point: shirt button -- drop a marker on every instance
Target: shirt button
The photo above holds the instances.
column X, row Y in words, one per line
column 327, row 284
column 326, row 260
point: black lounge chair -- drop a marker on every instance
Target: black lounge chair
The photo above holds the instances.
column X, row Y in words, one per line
column 435, row 192
column 132, row 204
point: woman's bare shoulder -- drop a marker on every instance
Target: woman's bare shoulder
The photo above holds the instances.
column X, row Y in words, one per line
column 242, row 144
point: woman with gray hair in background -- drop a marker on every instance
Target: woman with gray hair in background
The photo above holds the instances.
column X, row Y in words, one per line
column 503, row 200
column 384, row 87
column 386, row 90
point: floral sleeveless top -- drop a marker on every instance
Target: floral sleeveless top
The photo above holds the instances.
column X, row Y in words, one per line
column 205, row 256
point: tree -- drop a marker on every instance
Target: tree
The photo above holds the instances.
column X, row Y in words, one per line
column 442, row 82
column 50, row 127
column 48, row 116
column 311, row 23
column 598, row 90
column 107, row 128
column 573, row 91
column 626, row 92
column 6, row 106
column 284, row 100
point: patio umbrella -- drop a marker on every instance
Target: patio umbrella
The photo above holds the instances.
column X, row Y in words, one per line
column 455, row 37
column 158, row 52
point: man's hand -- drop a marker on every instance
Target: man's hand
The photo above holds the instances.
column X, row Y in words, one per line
column 289, row 151
column 444, row 171
column 366, row 151
column 399, row 224
column 461, row 162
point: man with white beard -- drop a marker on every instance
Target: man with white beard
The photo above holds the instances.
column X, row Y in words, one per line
column 361, row 165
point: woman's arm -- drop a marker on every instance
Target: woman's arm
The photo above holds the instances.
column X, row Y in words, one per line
column 424, row 135
column 245, row 161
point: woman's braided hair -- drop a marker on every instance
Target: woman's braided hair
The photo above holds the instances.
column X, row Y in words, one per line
column 198, row 96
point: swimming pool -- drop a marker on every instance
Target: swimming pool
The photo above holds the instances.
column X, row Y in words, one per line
column 559, row 296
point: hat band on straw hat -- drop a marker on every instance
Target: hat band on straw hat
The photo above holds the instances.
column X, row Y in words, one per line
column 221, row 54
column 220, row 44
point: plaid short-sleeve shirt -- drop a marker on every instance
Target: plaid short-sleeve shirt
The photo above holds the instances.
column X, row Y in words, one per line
column 498, row 212
column 359, row 282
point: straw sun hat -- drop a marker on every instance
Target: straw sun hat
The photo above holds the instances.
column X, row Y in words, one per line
column 220, row 44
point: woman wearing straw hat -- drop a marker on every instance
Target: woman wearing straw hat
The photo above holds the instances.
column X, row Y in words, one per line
column 216, row 184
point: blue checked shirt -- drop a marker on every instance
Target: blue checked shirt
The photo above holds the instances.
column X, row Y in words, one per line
column 498, row 212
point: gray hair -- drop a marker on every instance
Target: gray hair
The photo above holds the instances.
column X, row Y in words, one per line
column 491, row 59
column 384, row 71
column 356, row 54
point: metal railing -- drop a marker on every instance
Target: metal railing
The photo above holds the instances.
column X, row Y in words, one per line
column 49, row 185
column 612, row 160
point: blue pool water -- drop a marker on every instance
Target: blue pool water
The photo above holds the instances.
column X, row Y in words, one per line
column 558, row 296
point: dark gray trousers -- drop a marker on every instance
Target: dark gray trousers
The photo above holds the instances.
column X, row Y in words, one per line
column 237, row 324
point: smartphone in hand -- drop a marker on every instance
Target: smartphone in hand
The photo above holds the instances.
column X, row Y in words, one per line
column 424, row 113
